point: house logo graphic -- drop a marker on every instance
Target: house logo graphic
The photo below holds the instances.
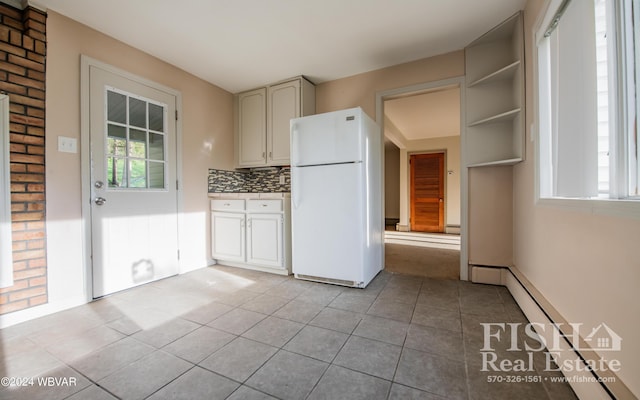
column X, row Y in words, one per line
column 603, row 338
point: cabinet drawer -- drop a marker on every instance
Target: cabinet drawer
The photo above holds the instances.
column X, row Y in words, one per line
column 227, row 204
column 264, row 205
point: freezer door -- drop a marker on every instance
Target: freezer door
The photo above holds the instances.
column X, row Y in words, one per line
column 327, row 221
column 328, row 138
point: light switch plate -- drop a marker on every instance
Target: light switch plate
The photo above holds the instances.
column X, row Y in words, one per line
column 67, row 144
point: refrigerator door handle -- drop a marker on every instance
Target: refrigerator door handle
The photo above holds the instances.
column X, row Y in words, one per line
column 294, row 143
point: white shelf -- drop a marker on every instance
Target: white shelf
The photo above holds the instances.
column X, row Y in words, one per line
column 504, row 31
column 505, row 116
column 511, row 161
column 495, row 97
column 502, row 73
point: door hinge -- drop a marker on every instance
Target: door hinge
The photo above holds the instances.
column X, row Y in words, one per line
column 176, row 115
column 177, row 185
column 178, row 254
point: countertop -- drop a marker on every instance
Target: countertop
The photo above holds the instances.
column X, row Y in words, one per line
column 282, row 195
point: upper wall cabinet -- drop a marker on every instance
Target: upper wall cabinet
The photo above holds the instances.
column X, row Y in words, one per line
column 495, row 96
column 252, row 127
column 263, row 117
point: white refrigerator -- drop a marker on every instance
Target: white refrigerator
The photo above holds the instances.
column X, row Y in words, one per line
column 336, row 195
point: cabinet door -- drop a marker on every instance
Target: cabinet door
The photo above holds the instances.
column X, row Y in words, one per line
column 283, row 105
column 252, row 128
column 264, row 239
column 227, row 236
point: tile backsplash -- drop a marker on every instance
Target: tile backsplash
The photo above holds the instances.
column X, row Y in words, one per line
column 256, row 181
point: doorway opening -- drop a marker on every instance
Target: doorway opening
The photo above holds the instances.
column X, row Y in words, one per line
column 423, row 179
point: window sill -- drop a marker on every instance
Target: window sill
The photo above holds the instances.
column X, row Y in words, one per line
column 623, row 208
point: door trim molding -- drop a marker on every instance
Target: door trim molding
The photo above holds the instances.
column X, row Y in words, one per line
column 85, row 157
column 459, row 81
column 6, row 243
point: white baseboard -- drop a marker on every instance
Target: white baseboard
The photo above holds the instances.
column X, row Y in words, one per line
column 452, row 229
column 17, row 317
column 402, row 228
column 270, row 270
column 487, row 275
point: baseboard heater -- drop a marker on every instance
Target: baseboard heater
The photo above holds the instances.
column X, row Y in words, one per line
column 586, row 384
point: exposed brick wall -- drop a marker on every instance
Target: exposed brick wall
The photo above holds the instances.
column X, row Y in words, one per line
column 22, row 77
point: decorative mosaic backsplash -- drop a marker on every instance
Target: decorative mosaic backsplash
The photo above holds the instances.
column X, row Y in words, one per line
column 257, row 181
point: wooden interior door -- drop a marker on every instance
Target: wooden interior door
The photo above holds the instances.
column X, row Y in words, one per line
column 427, row 192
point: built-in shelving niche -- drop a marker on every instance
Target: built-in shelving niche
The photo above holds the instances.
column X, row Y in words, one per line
column 495, row 96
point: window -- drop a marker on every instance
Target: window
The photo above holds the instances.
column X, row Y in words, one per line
column 587, row 107
column 135, row 142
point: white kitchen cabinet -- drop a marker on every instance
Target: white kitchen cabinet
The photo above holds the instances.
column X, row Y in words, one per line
column 228, row 235
column 253, row 233
column 252, row 128
column 263, row 117
column 283, row 104
column 265, row 239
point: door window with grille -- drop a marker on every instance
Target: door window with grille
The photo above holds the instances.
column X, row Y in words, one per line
column 136, row 145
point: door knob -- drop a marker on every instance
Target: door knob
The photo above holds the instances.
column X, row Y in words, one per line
column 98, row 184
column 100, row 200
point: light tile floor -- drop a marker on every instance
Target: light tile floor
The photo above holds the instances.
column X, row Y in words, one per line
column 224, row 332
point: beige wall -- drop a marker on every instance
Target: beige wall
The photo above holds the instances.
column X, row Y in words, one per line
column 360, row 90
column 207, row 141
column 584, row 262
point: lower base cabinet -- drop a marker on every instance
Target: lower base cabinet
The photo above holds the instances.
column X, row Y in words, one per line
column 254, row 234
column 228, row 236
column 265, row 239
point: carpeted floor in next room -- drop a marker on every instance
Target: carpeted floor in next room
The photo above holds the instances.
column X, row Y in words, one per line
column 425, row 255
column 425, row 262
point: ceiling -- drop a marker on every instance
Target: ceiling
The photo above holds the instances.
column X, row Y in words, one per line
column 242, row 44
column 424, row 116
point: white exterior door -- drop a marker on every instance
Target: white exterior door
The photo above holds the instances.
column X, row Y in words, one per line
column 264, row 239
column 228, row 236
column 134, row 209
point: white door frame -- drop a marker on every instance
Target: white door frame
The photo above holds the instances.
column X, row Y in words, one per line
column 6, row 252
column 464, row 195
column 85, row 157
